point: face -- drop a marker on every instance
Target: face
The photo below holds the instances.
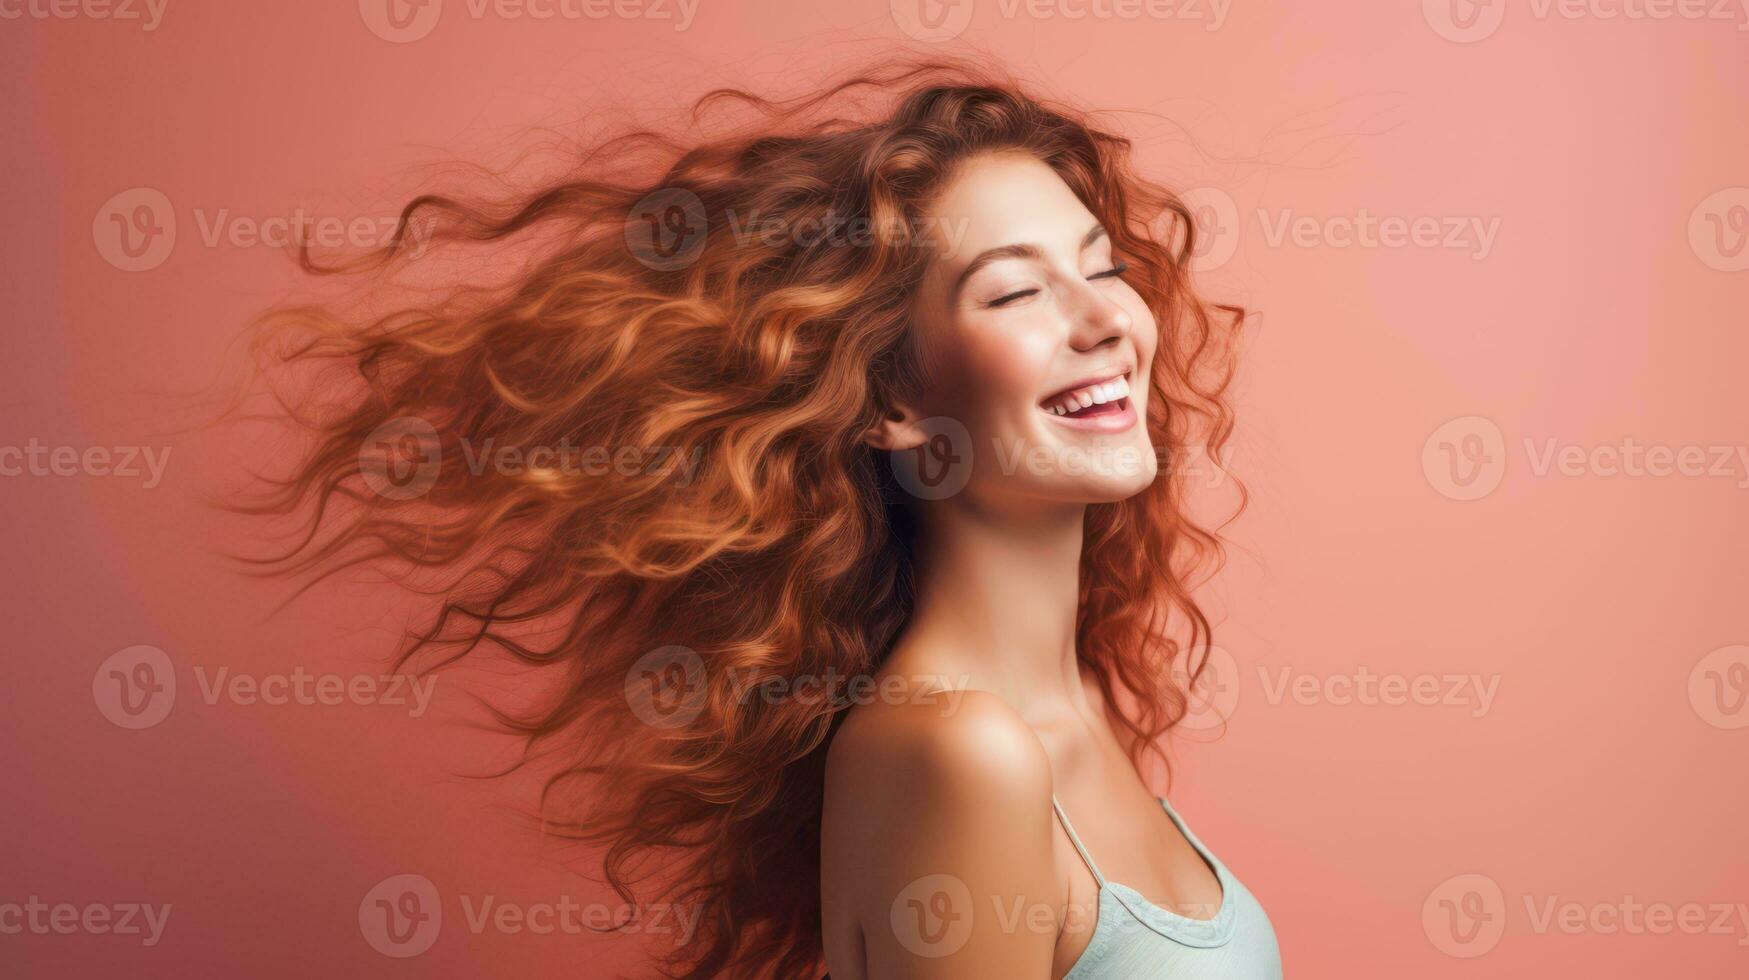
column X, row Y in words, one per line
column 1032, row 340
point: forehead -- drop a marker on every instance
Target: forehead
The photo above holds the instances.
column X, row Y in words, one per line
column 1000, row 199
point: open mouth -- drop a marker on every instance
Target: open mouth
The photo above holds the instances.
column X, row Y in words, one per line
column 1108, row 397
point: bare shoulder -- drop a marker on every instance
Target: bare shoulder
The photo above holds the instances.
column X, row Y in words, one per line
column 942, row 739
column 949, row 795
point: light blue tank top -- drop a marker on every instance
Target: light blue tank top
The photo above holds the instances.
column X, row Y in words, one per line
column 1135, row 939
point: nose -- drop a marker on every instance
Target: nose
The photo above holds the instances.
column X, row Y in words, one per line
column 1097, row 320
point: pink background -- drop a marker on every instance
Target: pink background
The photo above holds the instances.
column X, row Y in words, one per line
column 1598, row 773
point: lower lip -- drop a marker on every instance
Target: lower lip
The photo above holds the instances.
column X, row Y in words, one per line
column 1117, row 421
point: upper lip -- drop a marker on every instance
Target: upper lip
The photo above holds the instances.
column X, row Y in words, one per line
column 1110, row 374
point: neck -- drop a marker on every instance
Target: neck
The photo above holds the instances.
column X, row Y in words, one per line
column 997, row 597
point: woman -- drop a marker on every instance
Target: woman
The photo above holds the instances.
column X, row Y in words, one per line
column 841, row 512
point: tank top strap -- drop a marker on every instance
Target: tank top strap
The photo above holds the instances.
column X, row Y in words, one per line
column 1075, row 839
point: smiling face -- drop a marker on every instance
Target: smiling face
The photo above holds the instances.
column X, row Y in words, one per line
column 1031, row 339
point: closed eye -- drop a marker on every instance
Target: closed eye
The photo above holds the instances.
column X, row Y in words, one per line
column 1011, row 297
column 1112, row 273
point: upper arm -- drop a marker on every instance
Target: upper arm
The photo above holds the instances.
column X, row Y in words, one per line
column 937, row 838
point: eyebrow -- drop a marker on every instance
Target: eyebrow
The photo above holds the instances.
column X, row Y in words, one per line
column 1018, row 251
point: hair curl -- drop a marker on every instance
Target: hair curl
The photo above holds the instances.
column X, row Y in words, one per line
column 784, row 552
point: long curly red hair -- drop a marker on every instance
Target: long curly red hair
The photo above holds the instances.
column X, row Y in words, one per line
column 735, row 528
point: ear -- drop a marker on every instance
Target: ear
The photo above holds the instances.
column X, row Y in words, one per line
column 897, row 430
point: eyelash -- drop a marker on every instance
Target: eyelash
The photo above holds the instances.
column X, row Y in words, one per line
column 1112, row 273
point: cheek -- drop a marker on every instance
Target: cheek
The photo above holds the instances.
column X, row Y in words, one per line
column 1144, row 332
column 1005, row 368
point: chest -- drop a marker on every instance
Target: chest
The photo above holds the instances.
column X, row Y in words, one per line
column 1125, row 833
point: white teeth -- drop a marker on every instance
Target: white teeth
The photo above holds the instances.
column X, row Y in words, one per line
column 1094, row 394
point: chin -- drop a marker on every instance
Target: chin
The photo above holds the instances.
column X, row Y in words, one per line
column 1108, row 484
column 1116, row 487
column 1095, row 469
